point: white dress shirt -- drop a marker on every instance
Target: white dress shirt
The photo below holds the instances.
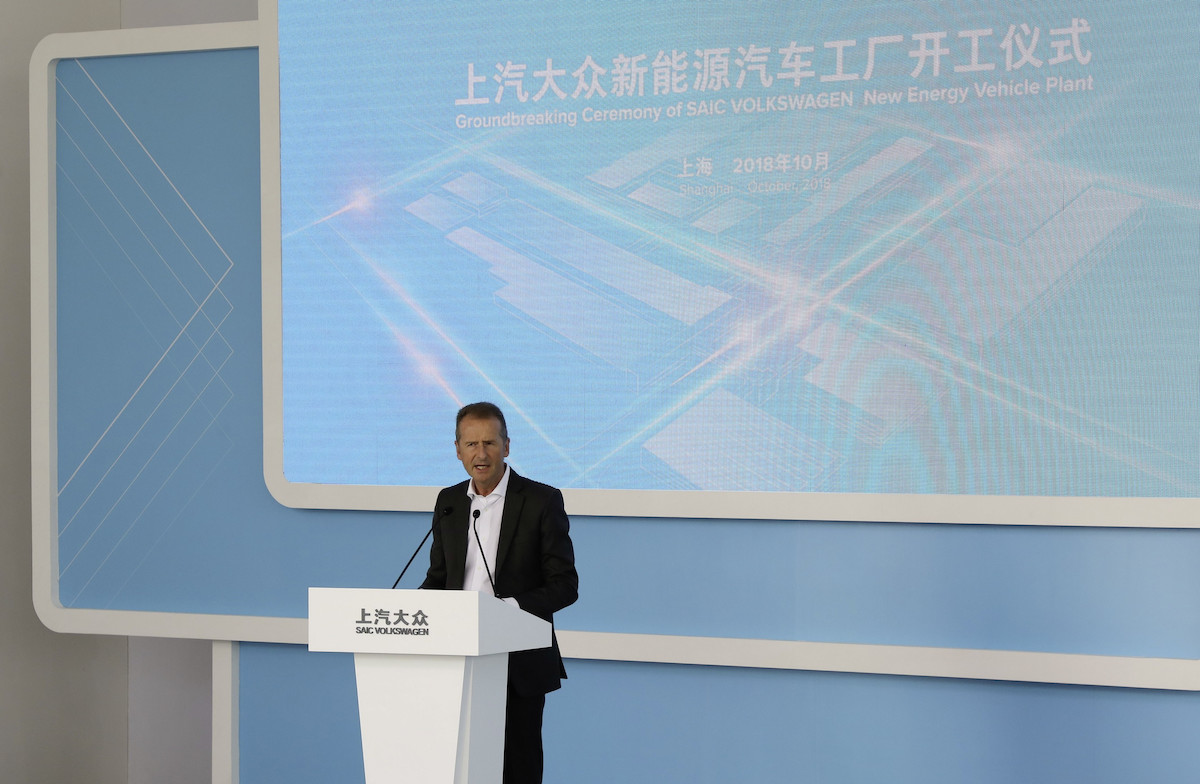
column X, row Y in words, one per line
column 491, row 510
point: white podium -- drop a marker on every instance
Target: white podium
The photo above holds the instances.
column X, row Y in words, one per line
column 432, row 671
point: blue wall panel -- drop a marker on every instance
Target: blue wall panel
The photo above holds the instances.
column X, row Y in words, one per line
column 299, row 716
column 651, row 723
column 655, row 723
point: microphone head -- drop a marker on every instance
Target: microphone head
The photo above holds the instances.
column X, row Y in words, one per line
column 475, row 514
column 447, row 510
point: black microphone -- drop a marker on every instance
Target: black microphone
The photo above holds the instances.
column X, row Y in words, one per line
column 445, row 511
column 482, row 557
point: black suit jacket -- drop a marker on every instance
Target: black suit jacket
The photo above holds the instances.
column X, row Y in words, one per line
column 535, row 564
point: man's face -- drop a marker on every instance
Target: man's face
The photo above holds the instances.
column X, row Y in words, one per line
column 482, row 452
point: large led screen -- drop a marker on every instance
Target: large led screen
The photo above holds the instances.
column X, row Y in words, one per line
column 693, row 248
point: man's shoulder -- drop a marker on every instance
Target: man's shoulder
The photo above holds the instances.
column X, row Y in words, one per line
column 518, row 483
column 454, row 490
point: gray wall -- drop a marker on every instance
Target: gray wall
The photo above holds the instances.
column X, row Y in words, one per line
column 170, row 711
column 155, row 13
column 63, row 699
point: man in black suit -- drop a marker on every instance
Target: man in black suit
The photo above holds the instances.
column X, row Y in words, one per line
column 527, row 555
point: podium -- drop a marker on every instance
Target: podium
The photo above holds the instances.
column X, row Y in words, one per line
column 432, row 674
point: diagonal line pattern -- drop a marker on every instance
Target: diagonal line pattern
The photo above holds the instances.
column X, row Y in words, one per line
column 113, row 503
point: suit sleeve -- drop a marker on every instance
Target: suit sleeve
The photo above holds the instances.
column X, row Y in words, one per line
column 435, row 576
column 558, row 586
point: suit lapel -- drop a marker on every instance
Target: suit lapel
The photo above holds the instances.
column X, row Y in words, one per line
column 456, row 536
column 511, row 517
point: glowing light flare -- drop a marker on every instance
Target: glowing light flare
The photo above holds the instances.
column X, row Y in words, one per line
column 510, row 404
column 361, row 202
column 427, row 368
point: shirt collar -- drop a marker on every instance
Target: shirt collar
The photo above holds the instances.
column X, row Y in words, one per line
column 500, row 491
